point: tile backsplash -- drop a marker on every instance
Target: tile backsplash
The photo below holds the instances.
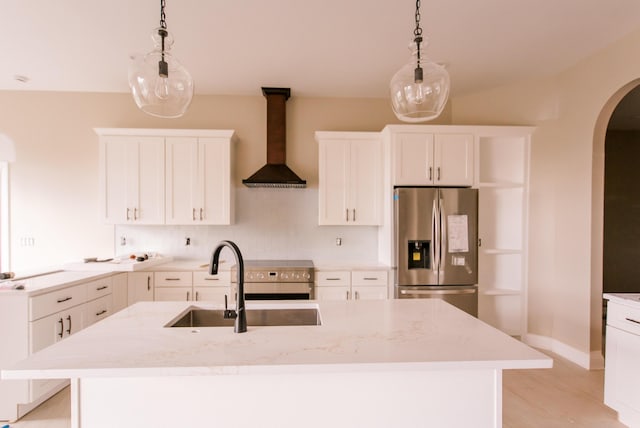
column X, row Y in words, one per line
column 269, row 224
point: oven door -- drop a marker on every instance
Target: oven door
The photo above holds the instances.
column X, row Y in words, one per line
column 277, row 290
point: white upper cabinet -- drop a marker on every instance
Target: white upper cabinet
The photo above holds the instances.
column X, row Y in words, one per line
column 166, row 176
column 132, row 179
column 198, row 187
column 422, row 158
column 350, row 178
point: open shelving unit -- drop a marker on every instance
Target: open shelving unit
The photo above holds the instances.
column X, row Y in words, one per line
column 502, row 178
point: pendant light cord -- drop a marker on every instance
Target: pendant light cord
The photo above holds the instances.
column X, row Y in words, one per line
column 163, row 68
column 163, row 17
column 417, row 33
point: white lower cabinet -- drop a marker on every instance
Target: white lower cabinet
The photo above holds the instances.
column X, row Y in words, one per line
column 30, row 323
column 139, row 287
column 55, row 327
column 622, row 354
column 120, row 292
column 352, row 285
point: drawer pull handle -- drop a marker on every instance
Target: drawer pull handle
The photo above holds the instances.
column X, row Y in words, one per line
column 104, row 287
column 61, row 328
column 172, row 279
column 632, row 320
column 104, row 311
column 69, row 329
column 66, row 299
column 370, row 279
column 333, row 279
column 212, row 279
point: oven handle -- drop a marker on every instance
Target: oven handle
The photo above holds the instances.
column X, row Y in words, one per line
column 436, row 292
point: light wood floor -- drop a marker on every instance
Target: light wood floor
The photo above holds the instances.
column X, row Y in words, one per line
column 564, row 396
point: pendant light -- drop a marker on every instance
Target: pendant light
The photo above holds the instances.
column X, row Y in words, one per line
column 160, row 84
column 420, row 89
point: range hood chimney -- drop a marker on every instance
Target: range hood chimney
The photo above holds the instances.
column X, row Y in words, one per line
column 276, row 173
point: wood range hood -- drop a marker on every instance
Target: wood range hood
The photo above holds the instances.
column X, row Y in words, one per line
column 276, row 173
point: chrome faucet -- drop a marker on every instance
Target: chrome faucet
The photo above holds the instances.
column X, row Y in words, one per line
column 239, row 315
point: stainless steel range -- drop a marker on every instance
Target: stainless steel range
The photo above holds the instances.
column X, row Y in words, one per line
column 276, row 279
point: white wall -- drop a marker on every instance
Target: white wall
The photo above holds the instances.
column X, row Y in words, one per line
column 567, row 111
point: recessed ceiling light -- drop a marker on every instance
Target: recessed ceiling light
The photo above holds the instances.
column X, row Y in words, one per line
column 21, row 78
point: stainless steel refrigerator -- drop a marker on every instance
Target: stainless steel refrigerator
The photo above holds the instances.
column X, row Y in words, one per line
column 436, row 251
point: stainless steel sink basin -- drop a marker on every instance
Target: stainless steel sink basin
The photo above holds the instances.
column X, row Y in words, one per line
column 200, row 317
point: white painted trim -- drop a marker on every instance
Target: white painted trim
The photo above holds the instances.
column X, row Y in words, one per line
column 5, row 253
column 148, row 132
column 572, row 354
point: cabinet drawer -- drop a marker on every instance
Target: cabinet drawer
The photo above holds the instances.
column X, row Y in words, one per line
column 173, row 279
column 99, row 288
column 203, row 279
column 333, row 278
column 369, row 277
column 55, row 301
column 98, row 309
column 624, row 317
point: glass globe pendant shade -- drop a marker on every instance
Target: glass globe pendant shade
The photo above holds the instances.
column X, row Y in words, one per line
column 419, row 90
column 160, row 84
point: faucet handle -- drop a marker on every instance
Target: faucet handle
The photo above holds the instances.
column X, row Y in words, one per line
column 228, row 313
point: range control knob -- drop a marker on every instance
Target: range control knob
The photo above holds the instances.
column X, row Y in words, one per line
column 260, row 275
column 249, row 275
column 284, row 275
column 306, row 275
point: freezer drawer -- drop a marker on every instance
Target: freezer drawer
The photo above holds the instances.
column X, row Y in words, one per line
column 463, row 297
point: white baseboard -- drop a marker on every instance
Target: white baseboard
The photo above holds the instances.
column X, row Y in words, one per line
column 589, row 361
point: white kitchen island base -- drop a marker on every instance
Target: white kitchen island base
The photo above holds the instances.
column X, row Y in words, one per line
column 448, row 398
column 409, row 363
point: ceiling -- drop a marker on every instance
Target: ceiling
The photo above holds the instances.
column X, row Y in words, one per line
column 347, row 48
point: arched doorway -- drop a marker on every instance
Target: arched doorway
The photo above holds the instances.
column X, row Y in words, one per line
column 615, row 123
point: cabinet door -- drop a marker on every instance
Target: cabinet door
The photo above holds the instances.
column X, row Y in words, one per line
column 365, row 187
column 333, row 177
column 453, row 160
column 55, row 327
column 413, row 159
column 150, row 178
column 333, row 293
column 621, row 374
column 132, row 180
column 214, row 294
column 369, row 292
column 140, row 287
column 113, row 168
column 214, row 181
column 171, row 294
column 182, row 202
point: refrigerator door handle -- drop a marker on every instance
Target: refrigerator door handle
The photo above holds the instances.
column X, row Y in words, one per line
column 434, row 234
column 442, row 242
column 436, row 292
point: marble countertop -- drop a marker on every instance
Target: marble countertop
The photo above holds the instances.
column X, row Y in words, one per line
column 629, row 299
column 377, row 335
column 46, row 283
column 118, row 264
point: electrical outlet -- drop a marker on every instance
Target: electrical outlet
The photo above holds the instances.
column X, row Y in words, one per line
column 338, row 241
column 187, row 241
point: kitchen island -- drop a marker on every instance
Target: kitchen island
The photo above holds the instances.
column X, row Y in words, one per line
column 410, row 363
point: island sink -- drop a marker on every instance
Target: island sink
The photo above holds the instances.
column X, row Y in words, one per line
column 201, row 317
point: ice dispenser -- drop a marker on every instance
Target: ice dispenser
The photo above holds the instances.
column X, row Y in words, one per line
column 419, row 255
